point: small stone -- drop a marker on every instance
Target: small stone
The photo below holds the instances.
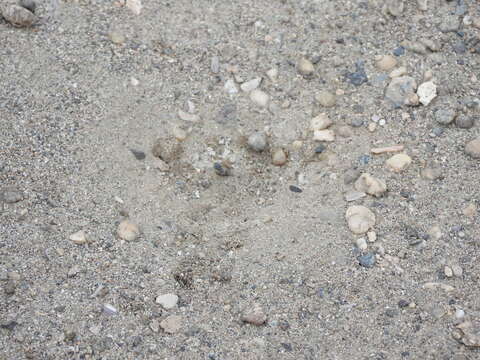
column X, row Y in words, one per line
column 109, row 310
column 368, row 184
column 470, row 211
column 435, row 232
column 428, row 75
column 188, row 117
column 403, row 303
column 359, row 76
column 171, row 324
column 167, row 301
column 138, row 154
column 320, row 122
column 79, row 237
column 351, row 175
column 179, row 134
column 457, row 270
column 450, row 23
column 448, row 271
column 73, row 271
column 254, row 316
column 472, row 148
column 415, row 47
column 325, row 98
column 360, row 219
column 367, row 260
column 386, row 62
column 215, row 65
column 116, row 37
column 354, row 195
column 295, row 189
column 167, row 149
column 398, row 72
column 259, row 98
column 361, row 244
column 279, row 157
column 305, row 67
column 459, row 314
column 135, row 6
column 401, row 91
column 251, row 85
column 469, row 334
column 221, row 170
column 272, row 74
column 230, row 87
column 399, row 51
column 10, row 287
column 431, row 44
column 28, row 4
column 356, row 122
column 427, row 92
column 372, row 236
column 17, row 15
column 11, row 195
column 345, row 131
column 324, row 135
column 432, row 173
column 372, row 127
column 464, row 122
column 445, row 116
column 257, row 141
column 128, row 231
column 398, row 162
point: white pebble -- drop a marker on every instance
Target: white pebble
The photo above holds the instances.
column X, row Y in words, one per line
column 259, row 98
column 361, row 244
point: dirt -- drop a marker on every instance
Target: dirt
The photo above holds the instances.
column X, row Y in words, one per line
column 89, row 114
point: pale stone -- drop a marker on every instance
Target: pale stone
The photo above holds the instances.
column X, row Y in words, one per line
column 79, row 237
column 320, row 122
column 259, row 98
column 326, row 98
column 305, row 67
column 386, row 63
column 427, row 92
column 473, row 148
column 172, row 324
column 360, row 219
column 279, row 157
column 401, row 71
column 167, row 301
column 370, row 185
column 398, row 162
column 128, row 231
column 324, row 135
column 251, row 85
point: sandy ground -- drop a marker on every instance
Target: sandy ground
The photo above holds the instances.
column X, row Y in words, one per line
column 261, row 269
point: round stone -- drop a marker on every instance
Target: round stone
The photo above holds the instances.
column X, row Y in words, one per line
column 259, row 98
column 326, row 98
column 320, row 122
column 128, row 231
column 279, row 157
column 305, row 67
column 464, row 122
column 386, row 63
column 473, row 148
column 398, row 162
column 360, row 219
column 167, row 301
column 257, row 141
column 368, row 184
column 445, row 116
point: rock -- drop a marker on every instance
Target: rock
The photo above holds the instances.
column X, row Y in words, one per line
column 135, row 6
column 432, row 173
column 398, row 162
column 17, row 15
column 28, row 4
column 401, row 91
column 272, row 74
column 215, row 65
column 359, row 219
column 167, row 149
column 324, row 135
column 184, row 116
column 305, row 67
column 325, row 98
column 401, row 71
column 395, row 7
column 459, row 314
column 128, row 231
column 372, row 236
column 230, row 87
column 450, row 23
column 138, row 154
column 167, row 301
column 279, row 157
column 457, row 270
column 386, row 62
column 470, row 210
column 472, row 148
column 387, row 149
column 73, row 271
column 448, row 271
column 116, row 37
column 430, row 44
column 354, row 195
column 415, row 47
column 469, row 334
column 422, row 5
column 171, row 324
column 109, row 310
column 179, row 134
column 251, row 85
column 370, row 185
column 254, row 316
column 427, row 92
column 361, row 244
column 320, row 122
column 464, row 122
column 79, row 237
column 345, row 131
column 351, row 175
column 359, row 76
column 435, row 232
column 445, row 116
column 11, row 195
column 259, row 98
column 367, row 260
column 257, row 141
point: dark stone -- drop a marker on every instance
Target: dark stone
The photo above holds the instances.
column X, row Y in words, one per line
column 320, row 148
column 403, row 303
column 139, row 155
column 459, row 47
column 359, row 76
column 364, row 159
column 220, row 170
column 295, row 189
column 399, row 51
column 9, row 325
column 28, row 4
column 356, row 122
column 367, row 260
column 287, row 347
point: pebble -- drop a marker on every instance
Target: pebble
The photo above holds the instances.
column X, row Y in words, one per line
column 464, row 122
column 260, row 98
column 445, row 116
column 73, row 271
column 359, row 76
column 415, row 47
column 356, row 122
column 386, row 62
column 398, row 72
column 167, row 301
column 360, row 219
column 448, row 271
column 171, row 324
column 372, row 236
column 422, row 5
column 427, row 92
column 432, row 173
column 372, row 127
column 450, row 23
column 324, row 135
column 320, row 149
column 305, row 67
column 472, row 148
column 367, row 260
column 251, row 85
column 320, row 122
column 435, row 232
column 272, row 74
column 368, row 184
column 254, row 316
column 354, row 195
column 470, row 210
column 345, row 131
column 325, row 98
column 257, row 141
column 457, row 270
column 468, row 333
column 295, row 189
column 116, row 37
column 401, row 91
column 135, row 6
column 128, row 231
column 230, row 87
column 109, row 309
column 221, row 170
column 185, row 116
column 398, row 162
column 431, row 44
column 387, row 149
column 17, row 15
column 215, row 65
column 279, row 157
column 11, row 196
column 79, row 237
column 459, row 314
column 399, row 51
column 361, row 244
column 166, row 150
column 139, row 155
column 28, row 4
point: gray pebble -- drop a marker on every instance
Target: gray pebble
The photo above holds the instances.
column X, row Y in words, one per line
column 445, row 116
column 464, row 121
column 450, row 23
column 357, row 122
column 367, row 260
column 257, row 141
